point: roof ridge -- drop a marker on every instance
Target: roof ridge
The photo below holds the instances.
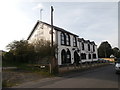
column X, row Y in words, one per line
column 58, row 28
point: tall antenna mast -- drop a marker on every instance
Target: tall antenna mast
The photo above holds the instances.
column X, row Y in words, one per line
column 41, row 14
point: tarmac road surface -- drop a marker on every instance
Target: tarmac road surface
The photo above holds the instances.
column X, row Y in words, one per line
column 102, row 77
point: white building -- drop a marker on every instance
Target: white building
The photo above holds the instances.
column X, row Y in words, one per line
column 71, row 48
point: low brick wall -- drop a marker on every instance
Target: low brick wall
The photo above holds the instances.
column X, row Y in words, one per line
column 8, row 68
column 69, row 68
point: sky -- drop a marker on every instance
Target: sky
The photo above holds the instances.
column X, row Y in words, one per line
column 94, row 21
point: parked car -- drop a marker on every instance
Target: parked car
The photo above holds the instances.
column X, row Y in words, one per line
column 101, row 60
column 117, row 65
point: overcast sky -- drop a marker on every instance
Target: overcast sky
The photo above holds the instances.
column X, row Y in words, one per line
column 94, row 21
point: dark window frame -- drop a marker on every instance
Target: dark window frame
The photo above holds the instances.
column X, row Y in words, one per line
column 68, row 53
column 63, row 57
column 83, row 56
column 67, row 39
column 94, row 56
column 63, row 40
column 74, row 41
column 88, row 47
column 93, row 48
column 89, row 56
column 83, row 46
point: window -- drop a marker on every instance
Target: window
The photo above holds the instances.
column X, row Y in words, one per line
column 74, row 41
column 67, row 39
column 89, row 56
column 63, row 56
column 94, row 56
column 83, row 56
column 82, row 46
column 62, row 38
column 76, row 58
column 93, row 48
column 88, row 47
column 68, row 57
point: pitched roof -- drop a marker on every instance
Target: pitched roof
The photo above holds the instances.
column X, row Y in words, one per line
column 81, row 39
column 55, row 27
column 93, row 43
column 86, row 41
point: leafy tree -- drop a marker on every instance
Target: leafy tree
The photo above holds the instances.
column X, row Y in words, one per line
column 8, row 57
column 105, row 50
column 116, row 52
column 22, row 50
column 41, row 51
column 44, row 50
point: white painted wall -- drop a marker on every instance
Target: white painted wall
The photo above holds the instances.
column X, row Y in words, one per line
column 61, row 47
column 42, row 31
column 87, row 52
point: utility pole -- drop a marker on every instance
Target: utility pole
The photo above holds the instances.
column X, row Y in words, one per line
column 54, row 66
column 52, row 59
column 52, row 26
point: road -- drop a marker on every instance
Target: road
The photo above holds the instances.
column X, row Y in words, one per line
column 102, row 77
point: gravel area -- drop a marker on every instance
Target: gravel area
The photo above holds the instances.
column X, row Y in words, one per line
column 19, row 77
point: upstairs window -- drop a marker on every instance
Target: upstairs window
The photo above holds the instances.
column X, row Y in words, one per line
column 93, row 48
column 67, row 39
column 88, row 47
column 74, row 41
column 82, row 46
column 62, row 38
